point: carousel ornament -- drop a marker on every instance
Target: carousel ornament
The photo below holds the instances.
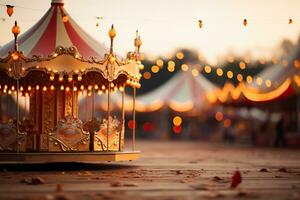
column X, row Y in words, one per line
column 9, row 10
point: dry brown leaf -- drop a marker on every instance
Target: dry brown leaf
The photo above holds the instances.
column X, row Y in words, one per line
column 263, row 170
column 116, row 184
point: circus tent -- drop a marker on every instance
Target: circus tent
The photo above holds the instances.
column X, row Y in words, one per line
column 56, row 28
column 182, row 93
column 275, row 83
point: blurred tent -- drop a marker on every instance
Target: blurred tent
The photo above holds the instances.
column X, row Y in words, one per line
column 274, row 84
column 182, row 93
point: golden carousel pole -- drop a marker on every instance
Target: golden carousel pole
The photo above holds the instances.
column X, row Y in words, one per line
column 137, row 44
column 112, row 34
column 133, row 118
column 16, row 30
column 108, row 116
column 123, row 119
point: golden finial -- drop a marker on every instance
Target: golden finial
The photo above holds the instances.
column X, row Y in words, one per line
column 137, row 42
column 112, row 34
column 16, row 31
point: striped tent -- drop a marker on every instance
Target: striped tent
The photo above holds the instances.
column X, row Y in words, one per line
column 56, row 28
column 181, row 93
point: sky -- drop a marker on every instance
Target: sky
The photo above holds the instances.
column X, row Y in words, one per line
column 167, row 25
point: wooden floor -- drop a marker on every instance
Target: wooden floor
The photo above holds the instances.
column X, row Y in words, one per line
column 167, row 170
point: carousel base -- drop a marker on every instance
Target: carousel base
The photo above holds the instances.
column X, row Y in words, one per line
column 64, row 157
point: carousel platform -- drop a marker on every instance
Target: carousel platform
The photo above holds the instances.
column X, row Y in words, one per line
column 64, row 157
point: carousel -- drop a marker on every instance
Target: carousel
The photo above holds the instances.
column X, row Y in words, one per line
column 40, row 90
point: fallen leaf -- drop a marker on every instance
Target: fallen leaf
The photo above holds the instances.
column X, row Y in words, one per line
column 283, row 170
column 116, row 184
column 37, row 181
column 216, row 178
column 33, row 181
column 130, row 185
column 263, row 170
column 236, row 179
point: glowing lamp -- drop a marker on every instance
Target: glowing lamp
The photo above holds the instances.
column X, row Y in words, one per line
column 112, row 32
column 16, row 29
column 9, row 10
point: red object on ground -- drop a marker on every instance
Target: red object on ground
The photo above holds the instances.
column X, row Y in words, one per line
column 236, row 179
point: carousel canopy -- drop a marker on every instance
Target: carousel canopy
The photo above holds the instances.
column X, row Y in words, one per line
column 61, row 51
column 56, row 28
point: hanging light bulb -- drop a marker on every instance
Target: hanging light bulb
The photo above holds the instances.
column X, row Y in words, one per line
column 245, row 22
column 52, row 77
column 79, row 78
column 70, row 78
column 291, row 21
column 60, row 78
column 200, row 23
column 65, row 18
column 9, row 10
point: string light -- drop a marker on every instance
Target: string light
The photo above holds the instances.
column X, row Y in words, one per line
column 219, row 72
column 147, row 75
column 230, row 74
column 200, row 23
column 195, row 72
column 179, row 55
column 155, row 69
column 240, row 77
column 245, row 22
column 207, row 69
column 171, row 66
column 177, row 120
column 160, row 63
column 242, row 65
column 249, row 79
column 259, row 81
column 268, row 83
column 184, row 67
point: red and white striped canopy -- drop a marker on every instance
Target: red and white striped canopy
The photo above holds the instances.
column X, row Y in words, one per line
column 50, row 32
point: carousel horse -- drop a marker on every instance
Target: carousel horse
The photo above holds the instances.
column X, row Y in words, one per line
column 10, row 140
column 100, row 138
column 69, row 135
